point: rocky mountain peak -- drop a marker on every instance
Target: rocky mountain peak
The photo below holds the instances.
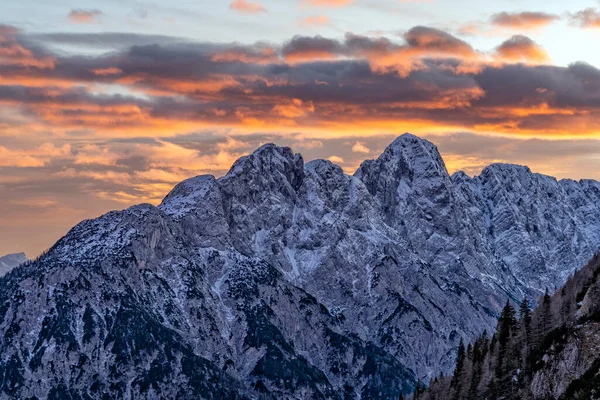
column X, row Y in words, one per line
column 270, row 168
column 410, row 168
column 11, row 261
column 419, row 154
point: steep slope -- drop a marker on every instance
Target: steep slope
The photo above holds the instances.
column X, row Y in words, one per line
column 550, row 353
column 11, row 261
column 142, row 311
column 289, row 279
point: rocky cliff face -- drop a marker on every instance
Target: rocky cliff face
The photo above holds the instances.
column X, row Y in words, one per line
column 11, row 261
column 290, row 280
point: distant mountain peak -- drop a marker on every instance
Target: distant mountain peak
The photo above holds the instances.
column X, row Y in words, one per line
column 10, row 261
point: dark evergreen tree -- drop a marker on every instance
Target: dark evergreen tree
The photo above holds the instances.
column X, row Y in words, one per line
column 525, row 317
column 506, row 362
column 544, row 323
column 457, row 378
column 420, row 390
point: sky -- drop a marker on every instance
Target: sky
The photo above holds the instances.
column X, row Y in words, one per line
column 106, row 104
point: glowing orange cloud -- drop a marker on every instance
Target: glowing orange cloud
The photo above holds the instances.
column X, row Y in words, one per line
column 314, row 84
column 520, row 48
column 248, row 7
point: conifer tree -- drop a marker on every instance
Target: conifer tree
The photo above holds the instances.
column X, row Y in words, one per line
column 525, row 317
column 456, row 382
column 546, row 316
column 420, row 390
column 506, row 363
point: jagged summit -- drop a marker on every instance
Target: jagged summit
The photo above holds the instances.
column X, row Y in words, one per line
column 267, row 158
column 407, row 155
column 349, row 284
column 504, row 172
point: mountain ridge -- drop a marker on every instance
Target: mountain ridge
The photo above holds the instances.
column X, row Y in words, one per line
column 395, row 264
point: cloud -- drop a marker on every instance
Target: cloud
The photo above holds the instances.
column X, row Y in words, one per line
column 520, row 48
column 336, row 159
column 14, row 52
column 435, row 41
column 360, row 147
column 36, row 157
column 427, row 79
column 247, row 7
column 314, row 20
column 103, row 40
column 523, row 20
column 82, row 16
column 307, row 48
column 107, row 71
column 293, row 109
column 419, row 42
column 588, row 18
column 327, row 3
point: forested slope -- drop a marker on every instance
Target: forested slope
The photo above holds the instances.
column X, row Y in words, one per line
column 552, row 352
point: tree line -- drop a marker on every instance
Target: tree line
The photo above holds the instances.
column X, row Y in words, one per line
column 502, row 365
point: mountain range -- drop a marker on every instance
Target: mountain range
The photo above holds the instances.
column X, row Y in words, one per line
column 285, row 279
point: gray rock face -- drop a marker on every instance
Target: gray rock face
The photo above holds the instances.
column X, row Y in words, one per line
column 10, row 261
column 291, row 280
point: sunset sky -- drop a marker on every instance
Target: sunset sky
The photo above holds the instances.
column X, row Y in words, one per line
column 105, row 104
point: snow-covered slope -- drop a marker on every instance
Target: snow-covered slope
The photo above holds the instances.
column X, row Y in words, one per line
column 11, row 261
column 292, row 280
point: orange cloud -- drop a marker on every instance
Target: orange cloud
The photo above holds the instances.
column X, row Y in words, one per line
column 309, row 84
column 107, row 71
column 360, row 147
column 294, row 109
column 260, row 55
column 37, row 157
column 520, row 48
column 248, row 7
column 13, row 53
column 314, row 20
column 81, row 16
column 328, row 3
column 524, row 20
